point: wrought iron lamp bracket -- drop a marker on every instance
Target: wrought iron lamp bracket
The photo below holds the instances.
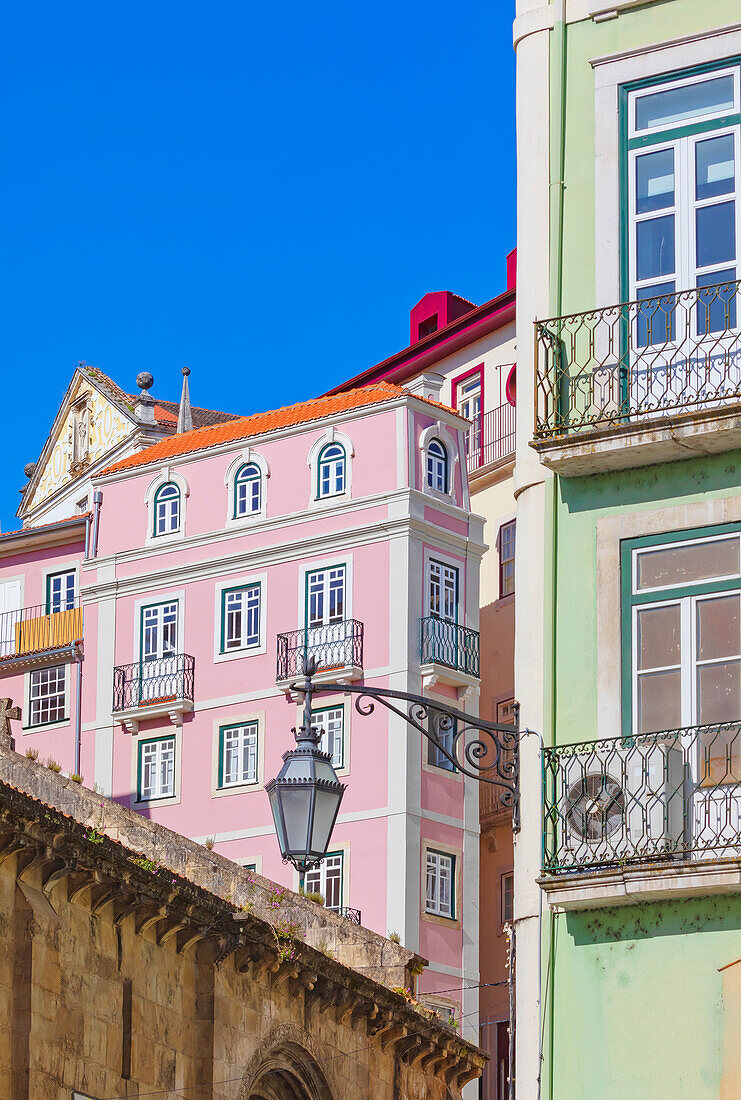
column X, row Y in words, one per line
column 485, row 751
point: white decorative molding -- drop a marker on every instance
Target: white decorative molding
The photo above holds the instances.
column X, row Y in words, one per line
column 331, row 434
column 247, row 456
column 165, row 476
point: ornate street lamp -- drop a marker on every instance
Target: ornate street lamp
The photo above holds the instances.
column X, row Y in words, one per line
column 305, row 796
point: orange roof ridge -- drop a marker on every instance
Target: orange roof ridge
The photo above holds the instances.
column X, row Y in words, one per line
column 231, row 431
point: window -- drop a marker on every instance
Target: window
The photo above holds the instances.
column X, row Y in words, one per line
column 684, row 618
column 167, row 509
column 47, row 696
column 247, row 490
column 435, row 756
column 507, row 559
column 325, row 596
column 331, row 477
column 443, row 591
column 250, row 867
column 683, row 170
column 238, row 754
column 440, row 886
column 82, row 506
column 326, row 879
column 427, row 327
column 468, row 404
column 507, row 892
column 332, row 721
column 60, row 591
column 156, row 769
column 437, row 466
column 240, row 618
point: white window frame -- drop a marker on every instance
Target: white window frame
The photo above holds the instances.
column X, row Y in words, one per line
column 681, row 82
column 246, row 457
column 245, row 601
column 449, row 440
column 315, row 881
column 61, row 720
column 671, row 545
column 167, row 475
column 55, row 570
column 160, row 793
column 249, row 581
column 331, row 435
column 247, row 732
column 327, row 588
column 686, row 269
column 246, row 718
column 330, row 742
column 444, row 571
column 435, row 861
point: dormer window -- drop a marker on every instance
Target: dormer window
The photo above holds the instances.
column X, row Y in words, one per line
column 167, row 509
column 437, row 466
column 428, row 326
column 247, row 490
column 331, row 479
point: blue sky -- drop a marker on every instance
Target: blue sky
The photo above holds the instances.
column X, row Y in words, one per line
column 258, row 191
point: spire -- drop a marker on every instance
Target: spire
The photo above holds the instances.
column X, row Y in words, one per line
column 185, row 418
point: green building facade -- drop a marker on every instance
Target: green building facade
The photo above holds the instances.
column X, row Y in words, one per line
column 628, row 655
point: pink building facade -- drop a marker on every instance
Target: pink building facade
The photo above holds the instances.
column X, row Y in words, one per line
column 151, row 644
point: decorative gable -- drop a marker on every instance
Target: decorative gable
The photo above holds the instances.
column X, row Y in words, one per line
column 89, row 425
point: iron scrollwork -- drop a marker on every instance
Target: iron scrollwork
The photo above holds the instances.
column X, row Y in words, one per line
column 485, row 751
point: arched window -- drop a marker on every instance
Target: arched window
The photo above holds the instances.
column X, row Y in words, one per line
column 247, row 490
column 331, row 478
column 167, row 509
column 437, row 466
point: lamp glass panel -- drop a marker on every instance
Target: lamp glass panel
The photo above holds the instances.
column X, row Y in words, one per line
column 296, row 802
column 325, row 808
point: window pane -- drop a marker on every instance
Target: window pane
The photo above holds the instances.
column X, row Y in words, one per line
column 655, row 247
column 716, row 233
column 677, row 104
column 716, row 307
column 719, row 692
column 655, row 319
column 718, row 633
column 654, row 181
column 687, row 564
column 720, row 755
column 659, row 637
column 659, row 701
column 714, row 167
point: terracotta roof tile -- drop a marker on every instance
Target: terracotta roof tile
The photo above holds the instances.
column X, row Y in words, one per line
column 246, row 426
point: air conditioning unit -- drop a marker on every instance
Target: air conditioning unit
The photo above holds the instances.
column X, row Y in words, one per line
column 622, row 800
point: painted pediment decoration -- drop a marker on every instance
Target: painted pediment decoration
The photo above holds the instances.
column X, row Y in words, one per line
column 90, row 423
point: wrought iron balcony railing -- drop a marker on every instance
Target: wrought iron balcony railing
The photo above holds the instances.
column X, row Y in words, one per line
column 446, row 643
column 335, row 646
column 638, row 360
column 154, row 683
column 353, row 915
column 36, row 629
column 491, row 437
column 673, row 795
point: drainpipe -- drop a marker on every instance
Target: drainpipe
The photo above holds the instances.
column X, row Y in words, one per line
column 97, row 501
column 87, row 537
column 557, row 187
column 78, row 712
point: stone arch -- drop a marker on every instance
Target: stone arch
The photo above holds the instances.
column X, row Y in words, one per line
column 286, row 1066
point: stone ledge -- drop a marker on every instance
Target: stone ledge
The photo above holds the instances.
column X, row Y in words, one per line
column 635, row 885
column 655, row 439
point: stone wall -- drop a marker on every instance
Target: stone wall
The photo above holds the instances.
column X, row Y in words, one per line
column 120, row 976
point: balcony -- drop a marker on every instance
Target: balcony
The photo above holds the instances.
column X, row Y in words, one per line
column 154, row 689
column 491, row 439
column 34, row 635
column 640, row 382
column 449, row 654
column 642, row 808
column 337, row 647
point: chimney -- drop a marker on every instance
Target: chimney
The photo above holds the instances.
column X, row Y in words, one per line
column 144, row 407
column 436, row 310
column 185, row 417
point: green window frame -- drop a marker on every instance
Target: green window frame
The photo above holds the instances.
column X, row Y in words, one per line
column 173, row 505
column 338, row 757
column 630, row 600
column 254, row 729
column 251, row 617
column 331, row 471
column 139, row 767
column 628, row 144
column 434, row 901
column 249, row 477
column 64, row 599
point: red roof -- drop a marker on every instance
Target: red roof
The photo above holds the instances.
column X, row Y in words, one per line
column 200, row 439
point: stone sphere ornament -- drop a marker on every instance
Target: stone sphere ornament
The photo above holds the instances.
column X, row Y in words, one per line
column 145, row 380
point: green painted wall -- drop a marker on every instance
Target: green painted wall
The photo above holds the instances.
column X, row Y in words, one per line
column 586, row 40
column 643, row 1002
